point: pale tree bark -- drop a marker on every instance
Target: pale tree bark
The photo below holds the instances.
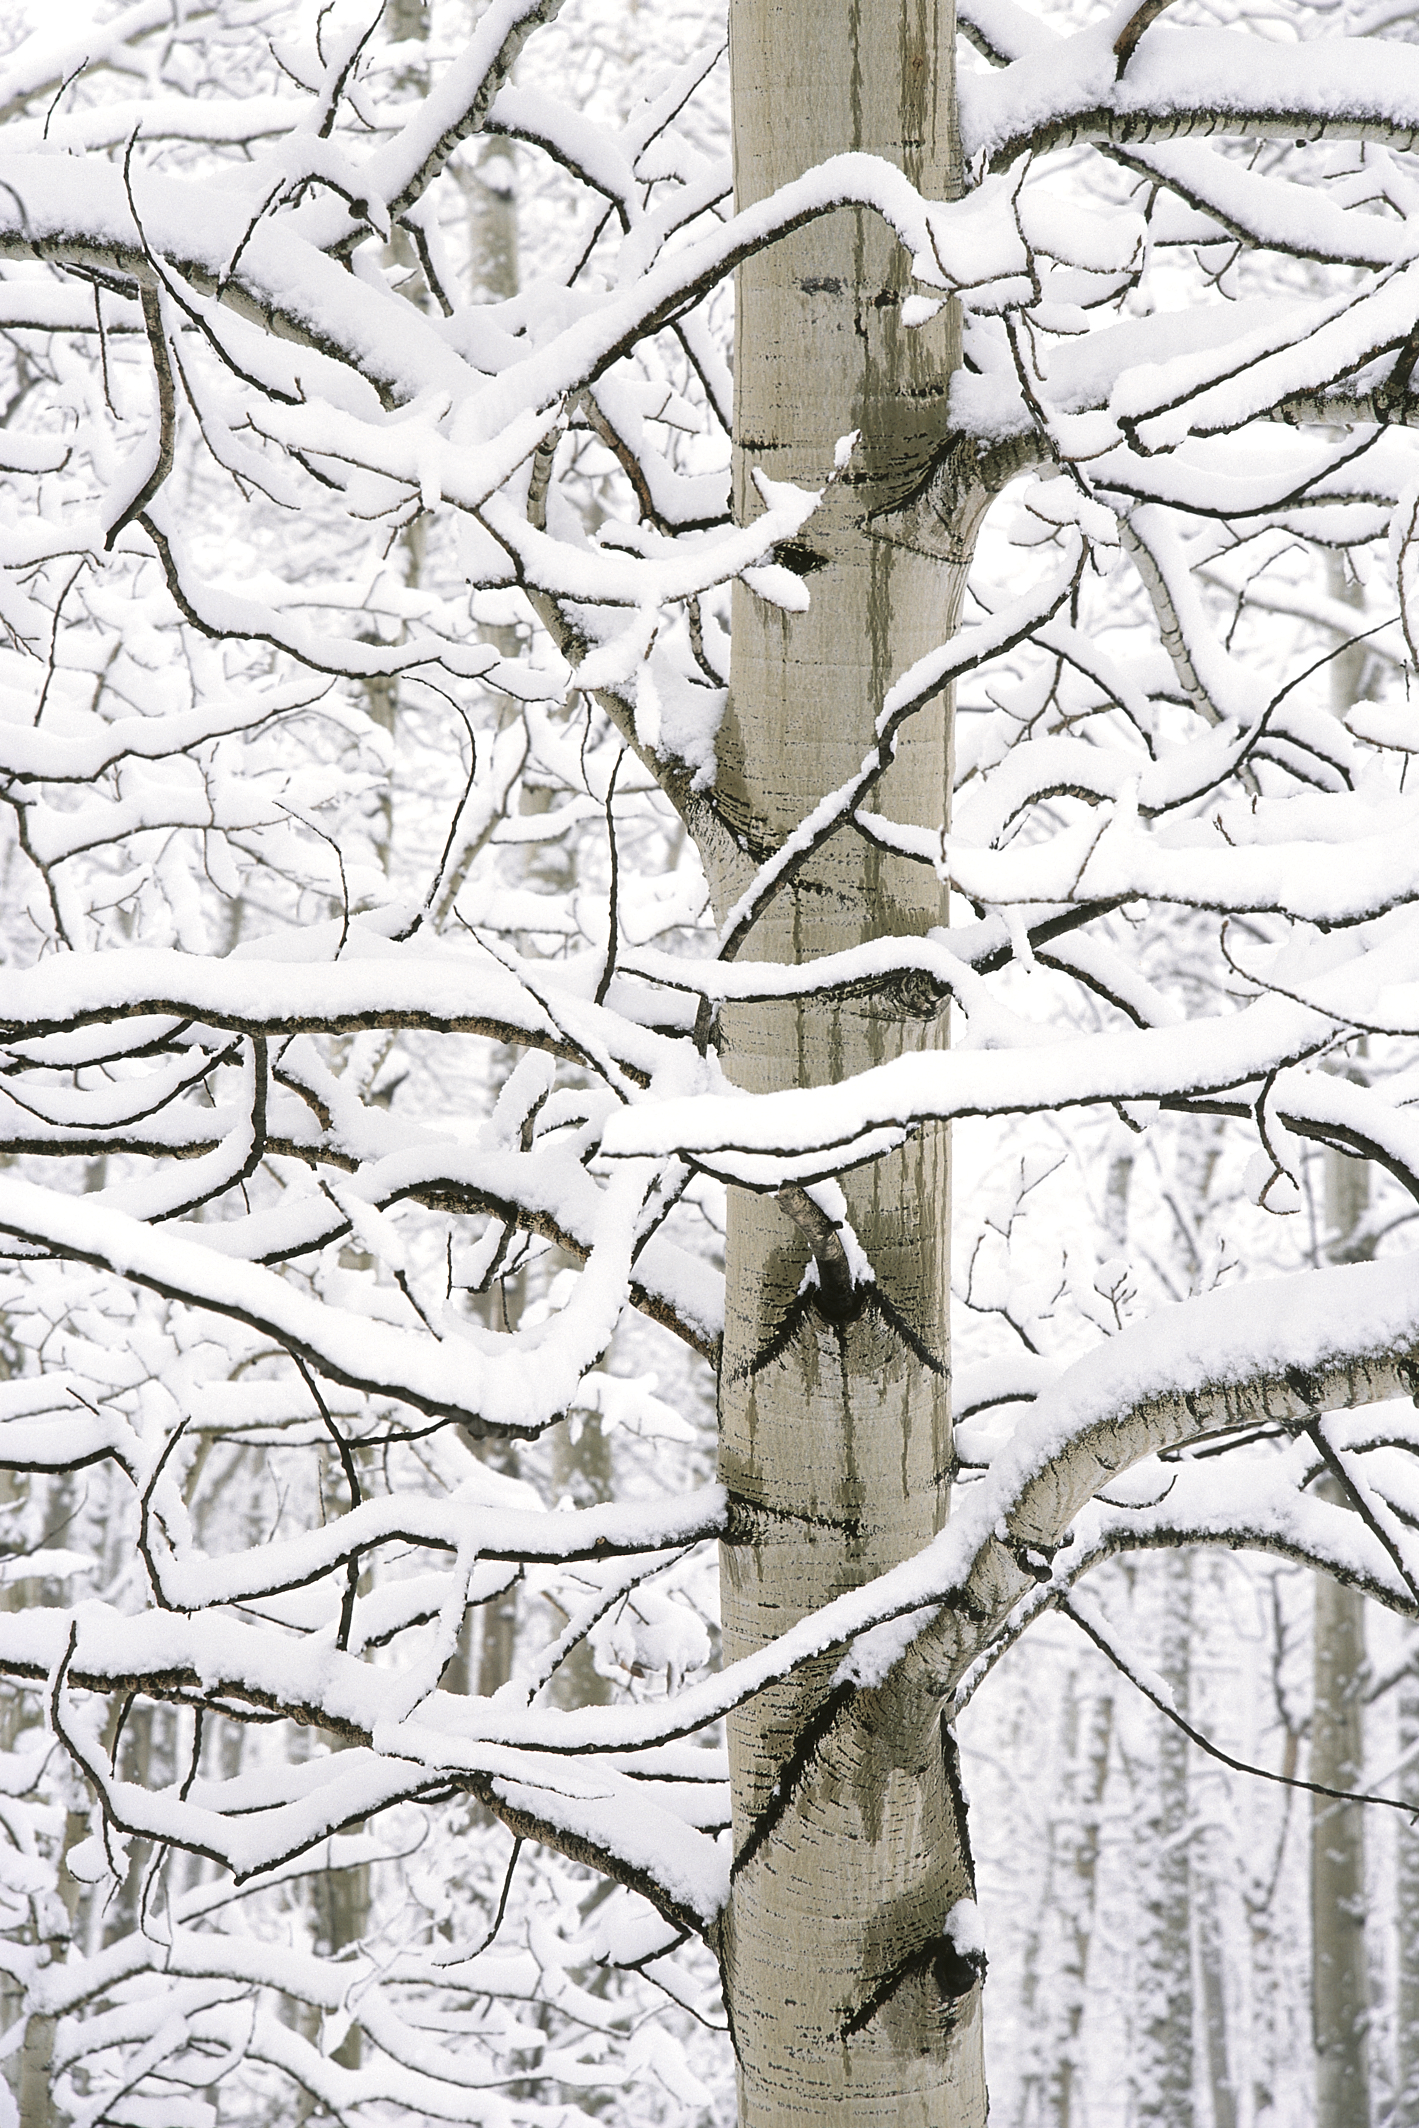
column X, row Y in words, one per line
column 1058, row 1955
column 491, row 196
column 1212, row 1974
column 338, row 1917
column 1057, row 2097
column 405, row 22
column 1340, row 2012
column 847, row 1997
column 141, row 1743
column 1030, row 2100
column 13, row 1597
column 1088, row 1744
column 1271, row 1944
column 55, row 1916
column 491, row 193
column 1117, row 1185
column 581, row 1471
column 340, row 1898
column 497, row 1628
column 1406, row 2099
column 581, row 1467
column 1091, row 1783
column 1164, row 2038
column 1347, row 669
column 581, row 1456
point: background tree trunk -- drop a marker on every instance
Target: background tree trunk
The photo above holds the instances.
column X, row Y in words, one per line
column 1166, row 2011
column 1089, row 1718
column 1340, row 1985
column 1340, row 1980
column 1212, row 1972
column 55, row 1914
column 1406, row 2098
column 845, row 1994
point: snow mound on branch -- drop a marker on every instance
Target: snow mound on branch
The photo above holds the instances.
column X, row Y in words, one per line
column 965, row 1930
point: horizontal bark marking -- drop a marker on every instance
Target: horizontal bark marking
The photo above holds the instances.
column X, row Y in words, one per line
column 747, row 1520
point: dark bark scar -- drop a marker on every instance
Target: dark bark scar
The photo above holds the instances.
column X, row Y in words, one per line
column 951, row 1974
column 790, row 1775
column 865, row 1300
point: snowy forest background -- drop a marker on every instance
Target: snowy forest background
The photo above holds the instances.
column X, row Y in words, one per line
column 1146, row 1908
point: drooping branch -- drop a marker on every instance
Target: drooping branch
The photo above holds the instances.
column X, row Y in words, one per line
column 574, row 1816
column 1095, row 1629
column 521, row 1391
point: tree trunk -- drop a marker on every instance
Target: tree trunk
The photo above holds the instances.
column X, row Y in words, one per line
column 1406, row 2095
column 1340, row 1985
column 1213, row 1973
column 340, row 1899
column 1165, row 2023
column 847, row 1997
column 14, row 1596
column 581, row 1471
column 54, row 1914
column 1055, row 1996
column 491, row 193
column 1089, row 1774
column 1340, row 1980
column 1340, row 1989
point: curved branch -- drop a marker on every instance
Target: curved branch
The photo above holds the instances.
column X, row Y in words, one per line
column 1185, row 83
column 1277, row 1353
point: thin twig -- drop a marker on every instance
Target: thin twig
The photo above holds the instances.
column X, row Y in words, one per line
column 613, row 911
column 463, row 1957
column 1262, row 1773
column 352, row 1479
column 144, row 1505
column 1371, row 1520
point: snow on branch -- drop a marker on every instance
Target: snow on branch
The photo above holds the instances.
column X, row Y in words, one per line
column 1185, row 81
column 381, row 880
column 511, row 1390
column 767, row 1139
